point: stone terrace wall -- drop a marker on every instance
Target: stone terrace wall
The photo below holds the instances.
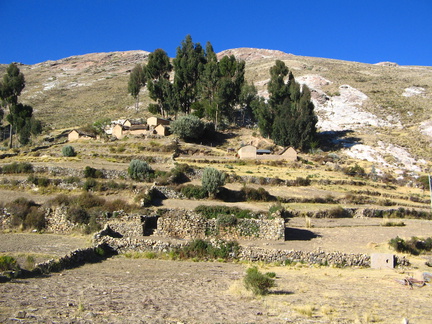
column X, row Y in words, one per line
column 253, row 254
column 189, row 225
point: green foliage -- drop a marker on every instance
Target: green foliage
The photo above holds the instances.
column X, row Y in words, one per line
column 260, row 194
column 258, row 282
column 68, row 151
column 139, row 170
column 214, row 211
column 137, row 80
column 224, row 220
column 26, row 213
column 354, row 171
column 414, row 246
column 212, row 180
column 288, row 118
column 15, row 167
column 203, row 250
column 8, row 263
column 39, row 181
column 189, row 128
column 159, row 86
column 78, row 215
column 192, row 191
column 188, row 64
column 90, row 172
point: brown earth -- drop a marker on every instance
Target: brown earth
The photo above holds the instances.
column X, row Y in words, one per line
column 122, row 290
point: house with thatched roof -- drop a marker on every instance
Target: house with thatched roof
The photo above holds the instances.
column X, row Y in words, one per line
column 76, row 134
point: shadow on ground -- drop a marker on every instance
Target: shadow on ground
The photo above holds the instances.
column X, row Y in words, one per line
column 297, row 234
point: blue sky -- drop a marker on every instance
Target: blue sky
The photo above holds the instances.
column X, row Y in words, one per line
column 363, row 31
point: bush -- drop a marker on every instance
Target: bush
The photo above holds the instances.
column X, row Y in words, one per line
column 189, row 128
column 260, row 194
column 257, row 282
column 226, row 220
column 22, row 167
column 90, row 172
column 202, row 249
column 196, row 192
column 212, row 180
column 8, row 263
column 214, row 211
column 20, row 209
column 68, row 151
column 78, row 215
column 139, row 170
column 414, row 246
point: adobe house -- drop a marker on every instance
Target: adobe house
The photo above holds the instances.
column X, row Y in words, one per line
column 137, row 129
column 289, row 154
column 120, row 131
column 117, row 131
column 247, row 152
column 76, row 135
column 162, row 130
column 251, row 152
column 154, row 121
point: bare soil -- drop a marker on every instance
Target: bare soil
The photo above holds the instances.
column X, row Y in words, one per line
column 122, row 290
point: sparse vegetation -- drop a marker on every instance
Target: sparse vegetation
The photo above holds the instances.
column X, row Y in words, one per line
column 257, row 282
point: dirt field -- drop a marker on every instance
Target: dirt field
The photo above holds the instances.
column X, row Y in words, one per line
column 122, row 290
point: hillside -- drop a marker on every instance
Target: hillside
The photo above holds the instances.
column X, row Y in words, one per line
column 379, row 113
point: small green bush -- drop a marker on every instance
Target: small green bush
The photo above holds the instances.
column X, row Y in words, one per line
column 226, row 220
column 8, row 263
column 214, row 211
column 22, row 167
column 414, row 246
column 260, row 194
column 212, row 180
column 90, row 172
column 201, row 249
column 257, row 282
column 68, row 151
column 78, row 215
column 139, row 170
column 196, row 192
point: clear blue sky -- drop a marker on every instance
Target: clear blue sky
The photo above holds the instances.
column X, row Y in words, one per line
column 364, row 31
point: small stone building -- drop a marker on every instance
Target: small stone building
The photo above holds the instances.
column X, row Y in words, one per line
column 76, row 135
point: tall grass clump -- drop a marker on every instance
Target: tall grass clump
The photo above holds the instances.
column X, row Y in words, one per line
column 258, row 282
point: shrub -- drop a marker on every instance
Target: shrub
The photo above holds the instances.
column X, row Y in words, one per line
column 212, row 180
column 40, row 182
column 202, row 249
column 414, row 246
column 189, row 128
column 257, row 282
column 214, row 211
column 20, row 209
column 196, row 192
column 139, row 170
column 226, row 220
column 22, row 167
column 354, row 171
column 260, row 194
column 91, row 184
column 90, row 172
column 8, row 263
column 35, row 219
column 68, row 151
column 78, row 215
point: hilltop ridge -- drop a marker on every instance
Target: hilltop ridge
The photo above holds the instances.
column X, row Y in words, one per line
column 377, row 112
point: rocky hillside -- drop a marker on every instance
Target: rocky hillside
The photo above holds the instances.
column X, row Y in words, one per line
column 379, row 113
